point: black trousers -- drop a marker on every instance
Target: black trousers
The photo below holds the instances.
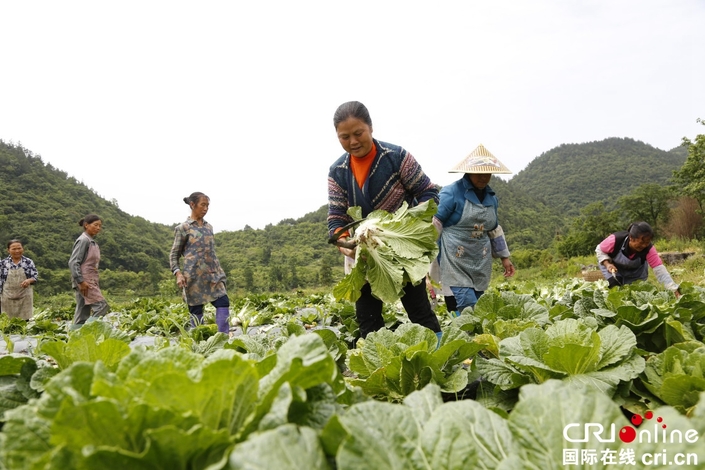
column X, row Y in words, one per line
column 223, row 301
column 368, row 309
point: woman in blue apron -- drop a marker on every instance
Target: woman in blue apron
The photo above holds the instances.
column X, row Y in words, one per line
column 471, row 235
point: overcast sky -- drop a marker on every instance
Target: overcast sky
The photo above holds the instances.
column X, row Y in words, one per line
column 148, row 101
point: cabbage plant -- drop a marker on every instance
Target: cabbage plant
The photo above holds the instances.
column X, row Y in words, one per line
column 569, row 349
column 677, row 375
column 392, row 249
column 392, row 364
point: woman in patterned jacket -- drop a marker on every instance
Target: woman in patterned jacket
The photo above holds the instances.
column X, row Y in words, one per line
column 376, row 175
column 202, row 278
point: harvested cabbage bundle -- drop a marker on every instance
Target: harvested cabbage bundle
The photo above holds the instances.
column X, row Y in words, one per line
column 392, row 249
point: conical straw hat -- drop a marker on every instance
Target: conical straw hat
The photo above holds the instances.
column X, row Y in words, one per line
column 480, row 161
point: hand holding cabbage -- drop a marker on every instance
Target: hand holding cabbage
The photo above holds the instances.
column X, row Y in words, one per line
column 392, row 249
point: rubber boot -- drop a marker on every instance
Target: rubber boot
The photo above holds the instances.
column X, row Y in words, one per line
column 196, row 320
column 222, row 315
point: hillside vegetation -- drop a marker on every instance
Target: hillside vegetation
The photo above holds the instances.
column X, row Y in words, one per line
column 571, row 176
column 41, row 205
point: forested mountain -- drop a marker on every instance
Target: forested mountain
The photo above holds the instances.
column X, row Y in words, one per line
column 41, row 205
column 292, row 254
column 527, row 221
column 572, row 176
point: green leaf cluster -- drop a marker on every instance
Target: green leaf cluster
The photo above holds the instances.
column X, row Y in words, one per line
column 425, row 433
column 94, row 341
column 677, row 375
column 568, row 349
column 170, row 408
column 503, row 314
column 21, row 379
column 392, row 249
column 391, row 364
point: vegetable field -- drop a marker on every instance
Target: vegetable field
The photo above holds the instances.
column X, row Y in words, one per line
column 566, row 375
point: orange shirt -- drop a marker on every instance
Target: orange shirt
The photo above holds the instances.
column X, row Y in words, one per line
column 360, row 166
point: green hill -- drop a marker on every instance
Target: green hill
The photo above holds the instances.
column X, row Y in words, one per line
column 293, row 254
column 571, row 176
column 41, row 206
column 527, row 221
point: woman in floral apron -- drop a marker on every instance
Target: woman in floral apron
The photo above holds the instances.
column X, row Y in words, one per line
column 17, row 275
column 83, row 265
column 202, row 278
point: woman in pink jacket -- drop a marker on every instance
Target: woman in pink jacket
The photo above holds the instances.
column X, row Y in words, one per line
column 624, row 257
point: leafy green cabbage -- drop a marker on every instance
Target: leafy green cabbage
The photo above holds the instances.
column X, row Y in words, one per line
column 569, row 349
column 677, row 375
column 392, row 364
column 392, row 249
column 503, row 314
column 425, row 433
column 169, row 409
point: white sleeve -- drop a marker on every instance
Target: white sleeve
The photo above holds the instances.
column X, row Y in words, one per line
column 601, row 255
column 439, row 226
column 664, row 277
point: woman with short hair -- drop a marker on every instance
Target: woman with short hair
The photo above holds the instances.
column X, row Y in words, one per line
column 376, row 175
column 17, row 276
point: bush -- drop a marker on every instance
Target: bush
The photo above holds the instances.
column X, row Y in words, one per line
column 526, row 258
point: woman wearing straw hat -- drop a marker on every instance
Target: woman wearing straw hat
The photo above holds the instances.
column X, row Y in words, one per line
column 470, row 232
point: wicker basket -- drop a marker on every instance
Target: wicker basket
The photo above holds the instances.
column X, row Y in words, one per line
column 592, row 276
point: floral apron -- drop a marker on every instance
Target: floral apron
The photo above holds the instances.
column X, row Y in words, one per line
column 17, row 301
column 205, row 278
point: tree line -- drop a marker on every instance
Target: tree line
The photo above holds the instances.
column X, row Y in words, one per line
column 562, row 204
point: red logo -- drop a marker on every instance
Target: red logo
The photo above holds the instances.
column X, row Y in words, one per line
column 627, row 434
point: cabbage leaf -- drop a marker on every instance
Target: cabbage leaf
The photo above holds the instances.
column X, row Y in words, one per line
column 572, row 350
column 392, row 249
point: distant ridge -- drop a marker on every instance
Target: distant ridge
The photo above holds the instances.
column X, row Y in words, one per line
column 572, row 176
column 41, row 205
